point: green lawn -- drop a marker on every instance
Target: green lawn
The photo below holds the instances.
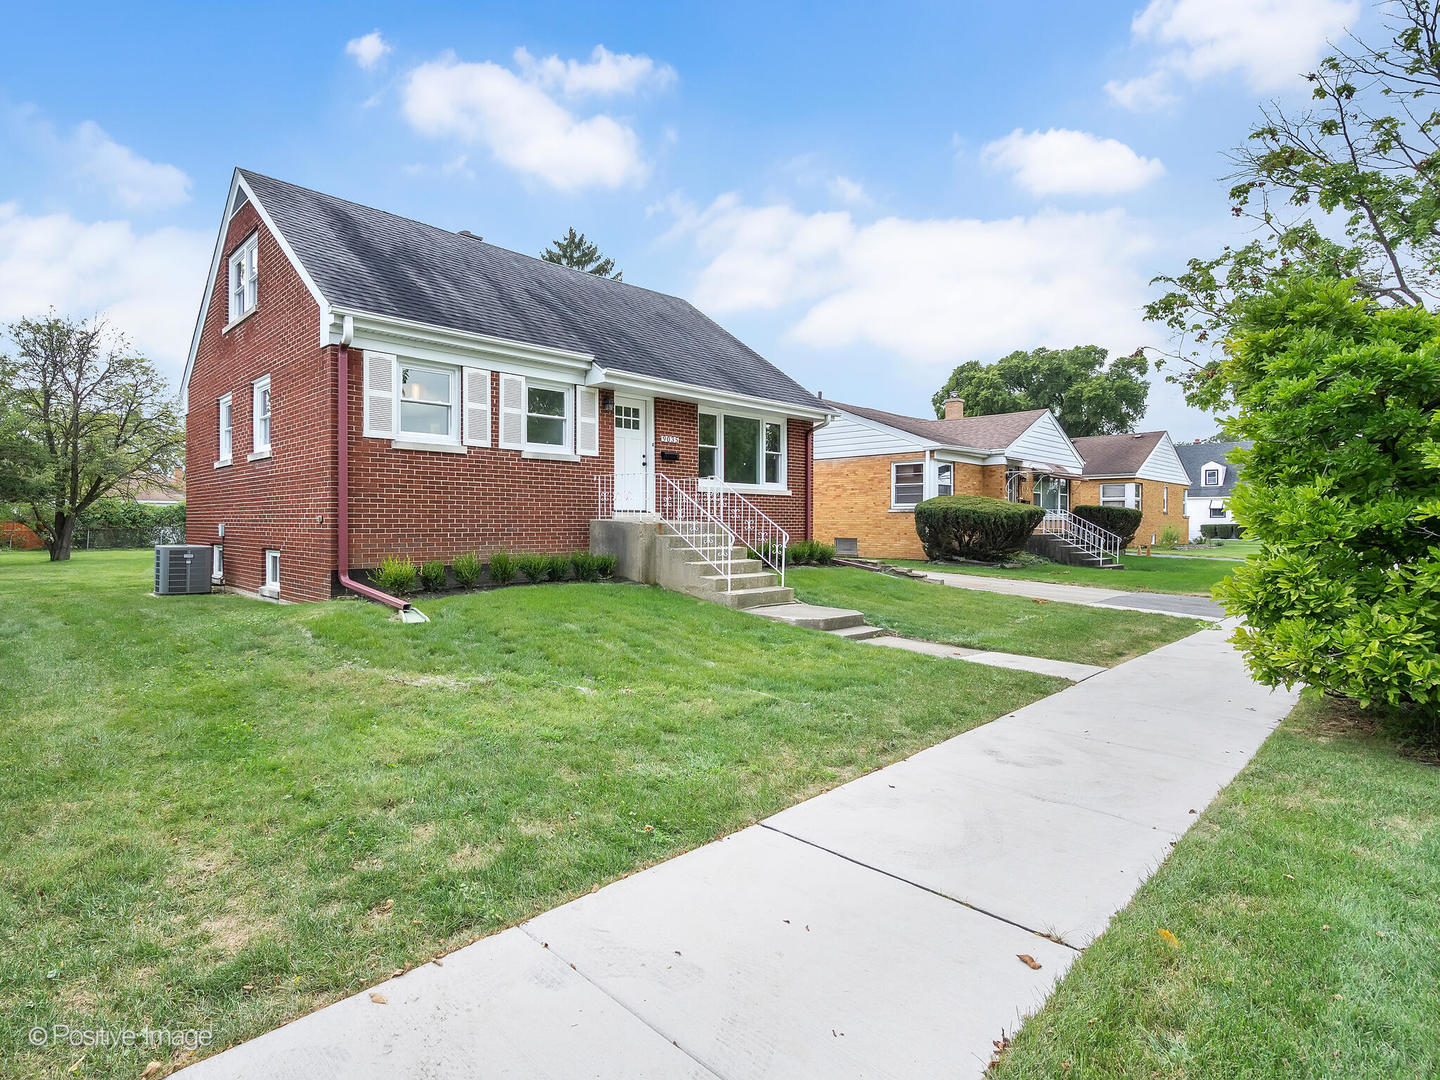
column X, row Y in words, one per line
column 220, row 813
column 1230, row 549
column 977, row 620
column 1306, row 904
column 1142, row 573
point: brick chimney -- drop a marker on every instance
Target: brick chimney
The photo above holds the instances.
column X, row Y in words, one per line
column 954, row 407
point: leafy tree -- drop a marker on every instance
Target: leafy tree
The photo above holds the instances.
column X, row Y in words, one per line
column 1087, row 396
column 1346, row 189
column 574, row 251
column 86, row 417
column 1341, row 394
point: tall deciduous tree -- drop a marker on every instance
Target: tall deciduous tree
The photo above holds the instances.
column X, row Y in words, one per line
column 1087, row 395
column 1342, row 490
column 1346, row 189
column 83, row 416
column 578, row 253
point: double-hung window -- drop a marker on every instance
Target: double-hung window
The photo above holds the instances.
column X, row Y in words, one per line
column 944, row 479
column 429, row 409
column 907, row 484
column 742, row 449
column 226, row 431
column 1217, row 510
column 244, row 278
column 1210, row 478
column 1121, row 495
column 260, row 416
column 547, row 417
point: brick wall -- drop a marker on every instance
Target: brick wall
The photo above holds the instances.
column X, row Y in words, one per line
column 852, row 499
column 285, row 502
column 1154, row 519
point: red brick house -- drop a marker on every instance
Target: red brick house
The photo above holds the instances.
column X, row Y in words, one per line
column 361, row 385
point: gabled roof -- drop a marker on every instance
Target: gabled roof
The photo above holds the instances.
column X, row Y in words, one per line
column 1117, row 455
column 1195, row 456
column 367, row 260
column 973, row 432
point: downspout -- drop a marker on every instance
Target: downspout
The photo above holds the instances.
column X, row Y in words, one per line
column 810, row 476
column 342, row 508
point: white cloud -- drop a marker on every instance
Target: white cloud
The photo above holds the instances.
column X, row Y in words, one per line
column 930, row 292
column 147, row 283
column 1064, row 162
column 851, row 192
column 521, row 125
column 131, row 180
column 1268, row 42
column 604, row 73
column 368, row 50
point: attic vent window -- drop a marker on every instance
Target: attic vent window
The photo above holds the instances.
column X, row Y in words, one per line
column 244, row 279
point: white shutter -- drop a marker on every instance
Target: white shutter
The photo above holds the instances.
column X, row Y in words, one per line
column 379, row 394
column 512, row 411
column 477, row 406
column 587, row 442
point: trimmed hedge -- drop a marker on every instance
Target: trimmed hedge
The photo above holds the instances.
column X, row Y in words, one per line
column 1123, row 521
column 974, row 527
column 1222, row 530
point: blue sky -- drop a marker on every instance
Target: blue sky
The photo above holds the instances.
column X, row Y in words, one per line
column 866, row 196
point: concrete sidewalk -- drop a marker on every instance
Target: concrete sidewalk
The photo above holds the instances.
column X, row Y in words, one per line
column 1198, row 607
column 872, row 931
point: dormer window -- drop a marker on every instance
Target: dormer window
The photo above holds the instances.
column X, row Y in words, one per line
column 244, row 279
column 1210, row 477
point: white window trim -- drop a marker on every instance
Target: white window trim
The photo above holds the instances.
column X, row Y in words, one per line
column 252, row 289
column 272, row 585
column 940, row 466
column 257, row 388
column 1133, row 498
column 420, row 439
column 565, row 449
column 906, row 508
column 779, row 487
column 225, row 409
column 1205, row 480
column 217, row 561
column 1164, row 498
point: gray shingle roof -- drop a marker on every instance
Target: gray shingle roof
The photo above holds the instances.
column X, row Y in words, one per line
column 377, row 262
column 1194, row 457
column 1116, row 455
column 973, row 432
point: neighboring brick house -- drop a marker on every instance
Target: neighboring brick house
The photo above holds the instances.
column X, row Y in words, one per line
column 1139, row 470
column 872, row 467
column 485, row 396
column 1212, row 480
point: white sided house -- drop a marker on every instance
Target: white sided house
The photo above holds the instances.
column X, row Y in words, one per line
column 1212, row 482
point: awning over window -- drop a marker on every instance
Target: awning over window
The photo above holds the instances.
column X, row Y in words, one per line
column 1217, row 504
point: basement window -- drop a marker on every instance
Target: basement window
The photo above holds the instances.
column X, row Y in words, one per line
column 272, row 574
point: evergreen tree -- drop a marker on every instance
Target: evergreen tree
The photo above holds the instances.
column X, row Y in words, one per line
column 578, row 253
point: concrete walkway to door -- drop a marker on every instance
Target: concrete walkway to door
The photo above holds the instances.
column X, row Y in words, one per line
column 873, row 931
column 1195, row 607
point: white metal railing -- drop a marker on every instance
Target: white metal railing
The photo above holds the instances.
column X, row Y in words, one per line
column 1083, row 534
column 711, row 518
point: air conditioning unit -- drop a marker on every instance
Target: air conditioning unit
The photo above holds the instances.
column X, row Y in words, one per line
column 182, row 568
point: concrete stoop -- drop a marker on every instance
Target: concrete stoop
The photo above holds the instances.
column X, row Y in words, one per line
column 1062, row 551
column 842, row 622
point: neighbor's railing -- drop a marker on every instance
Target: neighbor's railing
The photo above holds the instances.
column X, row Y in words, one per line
column 707, row 515
column 1083, row 534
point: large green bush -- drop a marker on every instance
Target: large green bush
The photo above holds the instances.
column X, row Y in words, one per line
column 974, row 527
column 1222, row 530
column 1342, row 490
column 1123, row 521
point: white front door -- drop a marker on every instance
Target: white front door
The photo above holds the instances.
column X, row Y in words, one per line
column 632, row 456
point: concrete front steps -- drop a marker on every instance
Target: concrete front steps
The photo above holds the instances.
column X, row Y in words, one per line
column 681, row 567
column 1054, row 548
column 842, row 622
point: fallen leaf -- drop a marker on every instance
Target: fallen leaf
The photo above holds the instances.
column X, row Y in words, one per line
column 438, row 962
column 387, row 905
column 1193, row 811
column 1290, row 876
column 151, row 1069
column 1028, row 960
column 1168, row 938
column 1325, row 927
column 377, row 997
column 248, row 986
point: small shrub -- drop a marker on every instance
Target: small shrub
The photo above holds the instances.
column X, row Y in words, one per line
column 585, row 566
column 502, row 567
column 808, row 553
column 1169, row 537
column 605, row 565
column 432, row 575
column 974, row 527
column 534, row 567
column 1222, row 530
column 395, row 575
column 1123, row 521
column 768, row 551
column 467, row 569
column 558, row 567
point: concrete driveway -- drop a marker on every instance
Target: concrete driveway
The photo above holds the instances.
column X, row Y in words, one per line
column 873, row 931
